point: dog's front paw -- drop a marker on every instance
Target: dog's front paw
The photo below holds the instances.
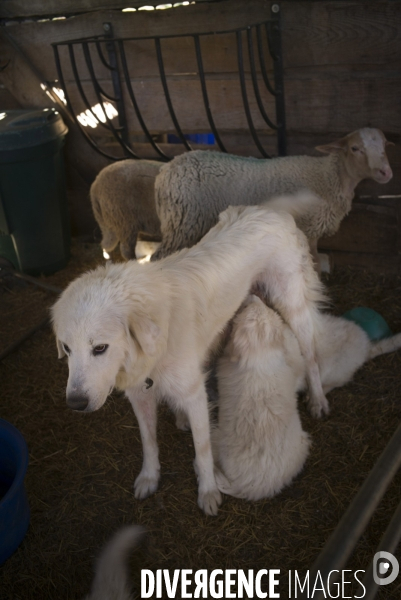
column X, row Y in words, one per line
column 319, row 406
column 210, row 501
column 145, row 485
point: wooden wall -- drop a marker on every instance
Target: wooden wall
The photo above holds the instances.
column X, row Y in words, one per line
column 342, row 67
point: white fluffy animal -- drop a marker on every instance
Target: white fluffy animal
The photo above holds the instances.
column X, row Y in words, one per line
column 123, row 202
column 259, row 443
column 111, row 581
column 195, row 187
column 147, row 329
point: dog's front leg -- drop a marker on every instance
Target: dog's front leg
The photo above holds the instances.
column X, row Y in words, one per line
column 209, row 497
column 145, row 409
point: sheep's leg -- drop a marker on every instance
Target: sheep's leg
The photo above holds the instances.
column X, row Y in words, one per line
column 109, row 239
column 145, row 409
column 127, row 245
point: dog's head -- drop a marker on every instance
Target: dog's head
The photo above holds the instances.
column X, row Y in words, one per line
column 107, row 334
column 256, row 329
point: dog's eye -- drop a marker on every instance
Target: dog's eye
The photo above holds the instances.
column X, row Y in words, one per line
column 66, row 349
column 100, row 349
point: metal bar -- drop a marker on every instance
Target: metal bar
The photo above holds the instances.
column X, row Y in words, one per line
column 97, row 92
column 245, row 97
column 389, row 543
column 23, row 338
column 262, row 61
column 101, row 55
column 115, row 77
column 273, row 31
column 86, row 102
column 353, row 523
column 37, row 282
column 167, row 94
column 205, row 94
column 255, row 81
column 134, row 102
column 81, row 129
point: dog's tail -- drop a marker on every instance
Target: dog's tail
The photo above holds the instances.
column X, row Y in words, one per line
column 385, row 345
column 111, row 579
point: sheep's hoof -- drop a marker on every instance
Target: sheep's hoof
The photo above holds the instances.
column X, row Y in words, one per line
column 145, row 485
column 210, row 501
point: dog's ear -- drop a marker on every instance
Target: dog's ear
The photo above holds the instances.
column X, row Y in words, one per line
column 60, row 349
column 145, row 332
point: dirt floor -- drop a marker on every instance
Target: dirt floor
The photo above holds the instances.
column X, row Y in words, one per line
column 82, row 466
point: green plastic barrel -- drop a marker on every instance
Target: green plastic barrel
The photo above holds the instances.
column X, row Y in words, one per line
column 34, row 219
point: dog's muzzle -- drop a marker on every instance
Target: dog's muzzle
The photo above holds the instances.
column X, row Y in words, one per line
column 77, row 402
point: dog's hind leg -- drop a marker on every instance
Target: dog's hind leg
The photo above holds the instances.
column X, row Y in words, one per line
column 385, row 345
column 209, row 497
column 145, row 409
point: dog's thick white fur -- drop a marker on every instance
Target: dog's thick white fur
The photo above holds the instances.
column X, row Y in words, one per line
column 259, row 443
column 111, row 581
column 123, row 324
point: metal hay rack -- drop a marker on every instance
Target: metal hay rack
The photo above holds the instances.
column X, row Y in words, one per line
column 106, row 54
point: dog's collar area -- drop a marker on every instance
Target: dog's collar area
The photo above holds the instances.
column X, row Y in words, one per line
column 148, row 382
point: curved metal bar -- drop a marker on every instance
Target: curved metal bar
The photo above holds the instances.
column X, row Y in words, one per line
column 86, row 135
column 134, row 102
column 79, row 85
column 353, row 523
column 101, row 56
column 205, row 94
column 255, row 81
column 245, row 97
column 97, row 92
column 388, row 543
column 99, row 87
column 262, row 60
column 167, row 94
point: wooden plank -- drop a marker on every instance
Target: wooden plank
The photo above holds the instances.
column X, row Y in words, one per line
column 28, row 8
column 377, row 263
column 368, row 228
column 341, row 33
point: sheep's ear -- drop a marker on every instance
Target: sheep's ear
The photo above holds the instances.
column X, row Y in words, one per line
column 60, row 349
column 333, row 147
column 146, row 332
column 388, row 143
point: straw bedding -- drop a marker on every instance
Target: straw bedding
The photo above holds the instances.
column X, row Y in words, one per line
column 82, row 466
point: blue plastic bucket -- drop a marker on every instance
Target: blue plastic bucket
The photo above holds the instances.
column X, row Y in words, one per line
column 14, row 507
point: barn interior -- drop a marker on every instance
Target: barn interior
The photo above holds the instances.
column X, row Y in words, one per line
column 253, row 78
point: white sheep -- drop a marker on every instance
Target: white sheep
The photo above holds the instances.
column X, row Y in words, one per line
column 122, row 198
column 259, row 444
column 195, row 187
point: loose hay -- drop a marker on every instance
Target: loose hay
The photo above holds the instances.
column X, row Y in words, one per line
column 82, row 466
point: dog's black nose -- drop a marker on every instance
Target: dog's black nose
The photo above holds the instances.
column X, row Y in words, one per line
column 77, row 402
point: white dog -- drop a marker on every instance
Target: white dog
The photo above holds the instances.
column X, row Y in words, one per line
column 259, row 443
column 111, row 581
column 147, row 329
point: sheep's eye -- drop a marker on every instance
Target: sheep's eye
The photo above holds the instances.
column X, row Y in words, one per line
column 66, row 349
column 354, row 148
column 100, row 349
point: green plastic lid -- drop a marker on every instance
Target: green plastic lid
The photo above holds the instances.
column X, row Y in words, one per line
column 371, row 321
column 27, row 128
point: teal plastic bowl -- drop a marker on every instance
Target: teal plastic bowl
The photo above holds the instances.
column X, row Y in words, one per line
column 370, row 321
column 14, row 507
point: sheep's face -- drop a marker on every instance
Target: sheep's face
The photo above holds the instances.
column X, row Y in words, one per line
column 365, row 154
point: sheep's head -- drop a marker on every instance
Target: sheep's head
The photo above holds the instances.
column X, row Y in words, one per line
column 364, row 152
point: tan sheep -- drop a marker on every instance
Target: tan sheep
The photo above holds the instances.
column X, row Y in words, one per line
column 122, row 198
